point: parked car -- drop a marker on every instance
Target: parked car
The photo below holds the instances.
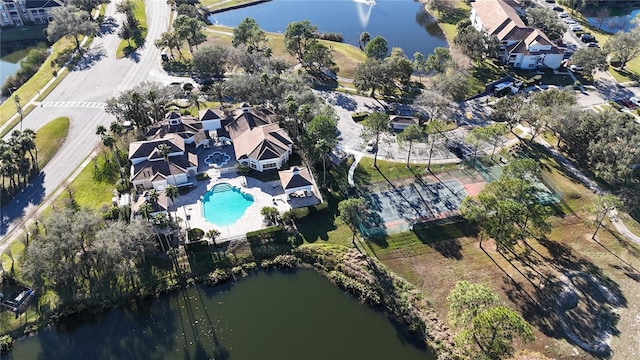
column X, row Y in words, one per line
column 558, row 8
column 576, row 67
column 587, row 38
column 564, row 15
column 593, row 44
column 628, row 104
column 635, row 101
column 575, row 28
column 371, row 146
column 550, row 1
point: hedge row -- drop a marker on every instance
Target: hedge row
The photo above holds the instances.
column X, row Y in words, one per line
column 274, row 231
column 301, row 213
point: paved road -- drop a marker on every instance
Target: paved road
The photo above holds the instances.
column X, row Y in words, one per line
column 80, row 95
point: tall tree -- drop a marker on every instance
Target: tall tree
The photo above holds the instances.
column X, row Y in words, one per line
column 419, row 64
column 363, row 39
column 249, row 33
column 412, row 133
column 189, row 30
column 466, row 300
column 624, row 46
column 172, row 193
column 377, row 48
column 591, row 58
column 454, row 85
column 210, row 60
column 439, row 60
column 371, row 75
column 435, row 131
column 87, row 5
column 320, row 138
column 349, row 213
column 399, row 68
column 298, row 37
column 171, row 41
column 475, row 44
column 495, row 133
column 373, row 126
column 602, row 206
column 546, row 20
column 70, row 21
column 434, row 105
column 494, row 332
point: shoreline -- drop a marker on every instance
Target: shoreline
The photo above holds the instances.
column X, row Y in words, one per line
column 238, row 6
column 354, row 273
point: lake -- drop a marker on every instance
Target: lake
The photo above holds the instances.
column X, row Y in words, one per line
column 404, row 23
column 613, row 24
column 270, row 315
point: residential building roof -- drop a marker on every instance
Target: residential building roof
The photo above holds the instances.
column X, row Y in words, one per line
column 295, row 178
column 210, row 114
column 262, row 143
column 400, row 119
column 148, row 149
column 154, row 170
column 35, row 4
column 247, row 118
column 496, row 15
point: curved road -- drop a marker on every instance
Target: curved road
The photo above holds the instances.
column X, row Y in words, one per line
column 99, row 76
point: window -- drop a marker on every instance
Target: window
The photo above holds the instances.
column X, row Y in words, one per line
column 269, row 166
column 253, row 165
column 37, row 20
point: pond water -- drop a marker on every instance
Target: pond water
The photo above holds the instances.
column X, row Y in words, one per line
column 274, row 315
column 613, row 24
column 404, row 23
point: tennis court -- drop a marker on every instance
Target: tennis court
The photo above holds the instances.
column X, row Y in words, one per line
column 396, row 208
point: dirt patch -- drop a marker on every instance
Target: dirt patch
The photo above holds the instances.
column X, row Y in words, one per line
column 580, row 295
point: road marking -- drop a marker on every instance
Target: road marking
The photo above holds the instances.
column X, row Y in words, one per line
column 72, row 104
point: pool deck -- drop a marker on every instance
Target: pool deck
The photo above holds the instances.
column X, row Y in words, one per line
column 189, row 205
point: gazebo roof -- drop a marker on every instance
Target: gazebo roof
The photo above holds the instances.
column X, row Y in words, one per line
column 295, row 178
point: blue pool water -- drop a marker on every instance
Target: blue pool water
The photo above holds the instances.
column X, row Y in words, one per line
column 225, row 204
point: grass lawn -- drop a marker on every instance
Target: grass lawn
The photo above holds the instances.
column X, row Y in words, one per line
column 344, row 55
column 222, row 4
column 49, row 138
column 366, row 174
column 37, row 81
column 485, row 72
column 449, row 21
column 124, row 48
column 87, row 191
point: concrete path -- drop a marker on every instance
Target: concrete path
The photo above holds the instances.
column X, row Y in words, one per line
column 352, row 169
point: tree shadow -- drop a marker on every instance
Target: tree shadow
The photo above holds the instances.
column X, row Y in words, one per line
column 108, row 26
column 90, row 58
column 443, row 236
column 14, row 209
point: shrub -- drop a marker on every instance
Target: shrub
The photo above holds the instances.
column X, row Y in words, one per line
column 272, row 232
column 196, row 234
column 335, row 37
column 359, row 116
column 615, row 105
column 202, row 176
column 301, row 213
column 6, row 343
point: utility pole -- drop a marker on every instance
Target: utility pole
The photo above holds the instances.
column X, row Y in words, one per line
column 17, row 100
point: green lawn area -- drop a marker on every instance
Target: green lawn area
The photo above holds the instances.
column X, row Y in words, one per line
column 449, row 21
column 37, row 81
column 89, row 192
column 366, row 174
column 344, row 55
column 49, row 138
column 124, row 48
column 222, row 4
column 485, row 72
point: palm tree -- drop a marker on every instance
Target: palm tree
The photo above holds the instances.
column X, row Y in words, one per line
column 101, row 130
column 145, row 209
column 172, row 193
column 116, row 129
column 154, row 195
column 213, row 235
column 28, row 142
column 164, row 151
column 219, row 90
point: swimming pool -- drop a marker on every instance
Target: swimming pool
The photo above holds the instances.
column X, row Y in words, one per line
column 225, row 204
